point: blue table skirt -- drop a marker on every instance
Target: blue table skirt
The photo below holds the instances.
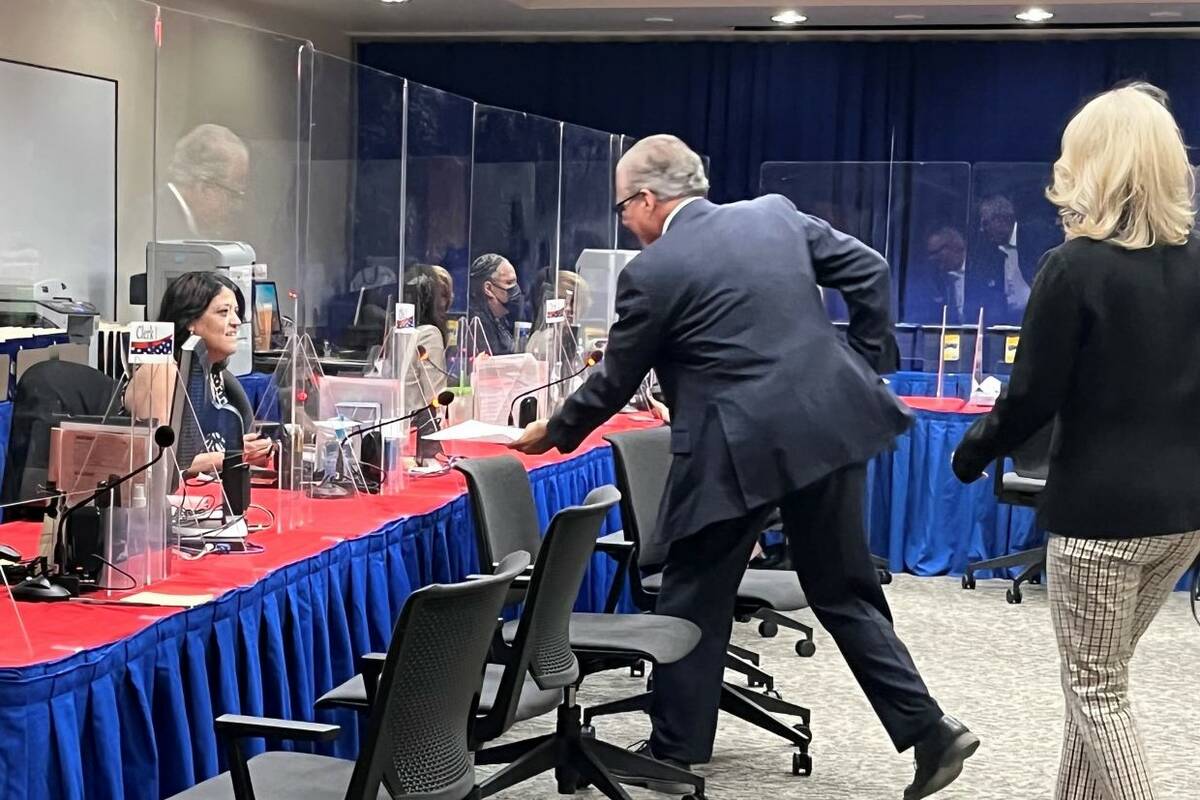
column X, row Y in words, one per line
column 135, row 719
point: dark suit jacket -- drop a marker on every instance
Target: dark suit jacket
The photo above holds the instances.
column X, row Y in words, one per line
column 985, row 273
column 1110, row 350
column 764, row 397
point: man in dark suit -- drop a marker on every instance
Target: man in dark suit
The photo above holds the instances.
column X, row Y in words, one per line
column 1003, row 262
column 769, row 409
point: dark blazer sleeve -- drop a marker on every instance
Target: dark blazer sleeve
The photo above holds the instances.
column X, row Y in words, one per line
column 1051, row 335
column 632, row 346
column 861, row 275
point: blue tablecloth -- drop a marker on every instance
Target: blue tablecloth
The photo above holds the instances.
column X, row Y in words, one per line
column 924, row 384
column 134, row 719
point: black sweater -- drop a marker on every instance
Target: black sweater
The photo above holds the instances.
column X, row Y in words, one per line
column 1110, row 349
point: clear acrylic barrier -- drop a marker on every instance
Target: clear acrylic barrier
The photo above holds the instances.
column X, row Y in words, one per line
column 498, row 380
column 587, row 193
column 1012, row 225
column 350, row 251
column 67, row 211
column 228, row 151
column 598, row 270
column 624, row 239
column 514, row 213
column 437, row 219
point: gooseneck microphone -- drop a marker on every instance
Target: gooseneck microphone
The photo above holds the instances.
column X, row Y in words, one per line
column 443, row 399
column 593, row 358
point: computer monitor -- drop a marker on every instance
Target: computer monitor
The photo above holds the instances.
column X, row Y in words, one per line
column 267, row 321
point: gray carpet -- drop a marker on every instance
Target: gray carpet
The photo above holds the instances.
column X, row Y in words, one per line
column 991, row 664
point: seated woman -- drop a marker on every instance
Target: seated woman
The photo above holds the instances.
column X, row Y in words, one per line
column 426, row 290
column 208, row 305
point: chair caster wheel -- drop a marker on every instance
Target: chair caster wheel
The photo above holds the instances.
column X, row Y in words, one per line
column 1013, row 596
column 805, row 648
column 885, row 577
column 801, row 764
column 588, row 731
column 773, row 693
column 698, row 796
column 638, row 670
column 741, row 617
column 768, row 630
column 968, row 581
column 1036, row 580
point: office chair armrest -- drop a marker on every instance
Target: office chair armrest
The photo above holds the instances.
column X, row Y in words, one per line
column 369, row 666
column 232, row 728
column 238, row 726
column 614, row 547
column 519, row 582
column 496, row 565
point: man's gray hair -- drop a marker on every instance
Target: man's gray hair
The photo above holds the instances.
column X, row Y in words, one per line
column 666, row 166
column 206, row 153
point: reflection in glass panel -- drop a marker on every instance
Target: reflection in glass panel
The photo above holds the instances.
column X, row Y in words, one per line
column 437, row 212
column 853, row 197
column 227, row 142
column 1012, row 225
column 350, row 239
column 66, row 211
column 514, row 221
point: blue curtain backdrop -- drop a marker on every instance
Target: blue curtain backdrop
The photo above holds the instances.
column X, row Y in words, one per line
column 743, row 103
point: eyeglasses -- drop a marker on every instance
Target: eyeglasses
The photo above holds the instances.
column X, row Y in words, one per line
column 619, row 208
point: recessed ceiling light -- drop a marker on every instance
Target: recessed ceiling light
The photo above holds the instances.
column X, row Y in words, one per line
column 1035, row 15
column 909, row 17
column 1170, row 14
column 660, row 19
column 392, row 2
column 789, row 18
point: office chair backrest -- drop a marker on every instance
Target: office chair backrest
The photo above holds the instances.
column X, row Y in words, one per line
column 417, row 743
column 501, row 500
column 643, row 461
column 46, row 389
column 542, row 645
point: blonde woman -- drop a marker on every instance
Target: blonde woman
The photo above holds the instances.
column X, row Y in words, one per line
column 1110, row 350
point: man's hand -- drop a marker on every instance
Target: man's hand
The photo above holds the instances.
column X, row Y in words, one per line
column 535, row 441
column 660, row 410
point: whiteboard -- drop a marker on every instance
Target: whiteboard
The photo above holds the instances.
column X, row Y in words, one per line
column 58, row 173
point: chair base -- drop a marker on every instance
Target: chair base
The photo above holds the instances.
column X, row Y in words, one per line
column 578, row 759
column 757, row 709
column 1033, row 560
column 772, row 621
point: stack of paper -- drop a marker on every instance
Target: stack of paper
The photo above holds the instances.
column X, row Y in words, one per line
column 475, row 431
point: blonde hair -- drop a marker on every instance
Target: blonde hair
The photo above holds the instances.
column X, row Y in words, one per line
column 1123, row 176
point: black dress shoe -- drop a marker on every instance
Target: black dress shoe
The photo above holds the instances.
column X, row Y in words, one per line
column 654, row 784
column 939, row 757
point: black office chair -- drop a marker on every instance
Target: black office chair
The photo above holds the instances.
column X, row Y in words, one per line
column 417, row 745
column 538, row 662
column 642, row 462
column 48, row 390
column 1020, row 486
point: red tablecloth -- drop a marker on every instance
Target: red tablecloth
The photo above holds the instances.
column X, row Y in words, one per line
column 303, row 529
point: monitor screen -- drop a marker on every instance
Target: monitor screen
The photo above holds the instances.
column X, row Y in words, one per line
column 266, row 308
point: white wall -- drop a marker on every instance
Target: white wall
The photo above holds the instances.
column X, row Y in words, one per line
column 207, row 73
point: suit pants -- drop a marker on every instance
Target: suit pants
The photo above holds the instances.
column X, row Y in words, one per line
column 824, row 525
column 1103, row 596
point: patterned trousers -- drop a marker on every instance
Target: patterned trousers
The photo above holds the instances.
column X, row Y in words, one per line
column 1103, row 596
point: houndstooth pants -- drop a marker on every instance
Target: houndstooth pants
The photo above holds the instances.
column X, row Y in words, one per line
column 1103, row 596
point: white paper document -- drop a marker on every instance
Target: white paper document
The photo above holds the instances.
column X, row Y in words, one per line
column 173, row 600
column 475, row 431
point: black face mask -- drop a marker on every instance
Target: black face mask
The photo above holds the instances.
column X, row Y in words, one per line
column 515, row 303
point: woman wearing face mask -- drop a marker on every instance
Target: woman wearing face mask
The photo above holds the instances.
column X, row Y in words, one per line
column 496, row 302
column 208, row 305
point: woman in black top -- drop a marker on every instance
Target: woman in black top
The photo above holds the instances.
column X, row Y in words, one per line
column 1110, row 350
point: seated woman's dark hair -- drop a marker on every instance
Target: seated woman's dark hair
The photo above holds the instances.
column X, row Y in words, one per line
column 187, row 297
column 423, row 288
